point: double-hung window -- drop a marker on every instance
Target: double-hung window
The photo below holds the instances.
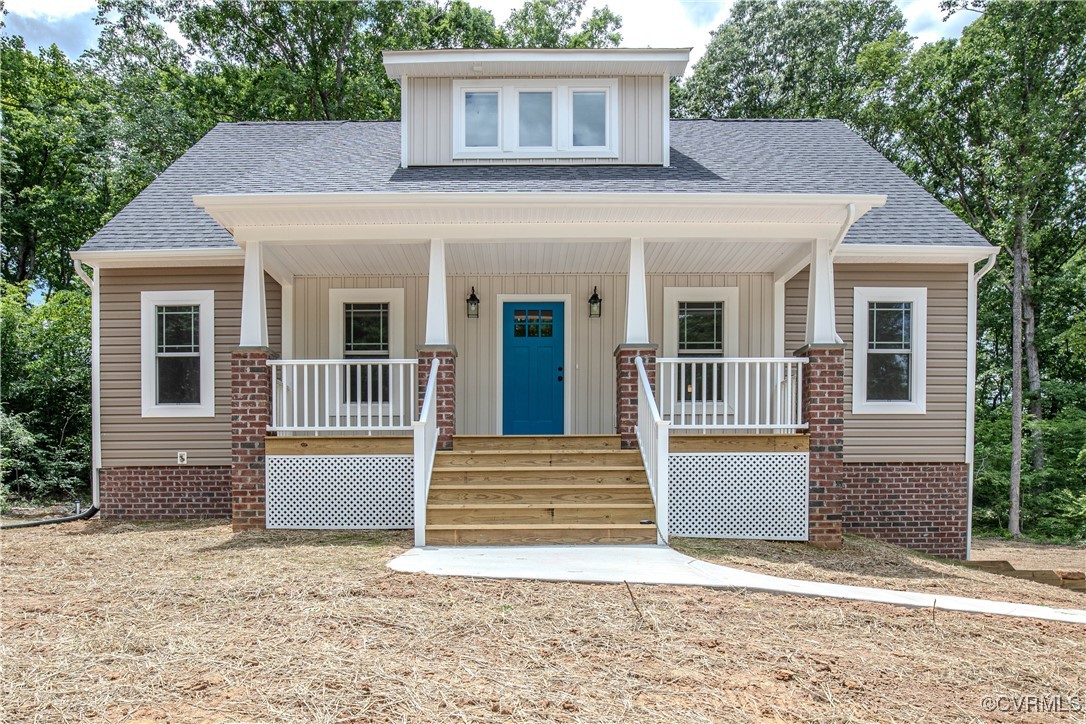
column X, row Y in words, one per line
column 889, row 350
column 700, row 323
column 535, row 118
column 178, row 353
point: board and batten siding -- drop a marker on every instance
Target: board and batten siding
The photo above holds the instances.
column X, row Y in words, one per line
column 128, row 438
column 593, row 341
column 938, row 435
column 641, row 104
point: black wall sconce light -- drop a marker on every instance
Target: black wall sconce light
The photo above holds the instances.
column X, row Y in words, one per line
column 473, row 305
column 595, row 304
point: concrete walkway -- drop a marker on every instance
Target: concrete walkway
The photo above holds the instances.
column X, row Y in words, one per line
column 663, row 565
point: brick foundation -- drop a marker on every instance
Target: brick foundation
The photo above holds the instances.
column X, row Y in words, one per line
column 165, row 492
column 824, row 410
column 626, row 388
column 250, row 413
column 445, row 390
column 923, row 506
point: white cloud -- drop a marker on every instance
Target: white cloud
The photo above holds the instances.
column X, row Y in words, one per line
column 50, row 10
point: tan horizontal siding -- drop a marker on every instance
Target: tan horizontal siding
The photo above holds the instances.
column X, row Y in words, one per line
column 128, row 438
column 938, row 435
column 593, row 340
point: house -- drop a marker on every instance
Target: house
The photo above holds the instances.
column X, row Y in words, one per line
column 537, row 309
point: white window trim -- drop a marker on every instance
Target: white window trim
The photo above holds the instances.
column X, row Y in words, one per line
column 674, row 295
column 337, row 298
column 918, row 296
column 730, row 297
column 205, row 299
column 394, row 297
column 509, row 125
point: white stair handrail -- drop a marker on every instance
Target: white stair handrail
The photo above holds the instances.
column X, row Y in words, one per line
column 653, row 440
column 425, row 434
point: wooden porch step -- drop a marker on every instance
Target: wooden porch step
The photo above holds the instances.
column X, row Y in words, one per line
column 537, row 457
column 543, row 494
column 539, row 534
column 472, row 443
column 539, row 513
column 581, row 476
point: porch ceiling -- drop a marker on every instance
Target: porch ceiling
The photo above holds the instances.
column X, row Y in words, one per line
column 533, row 257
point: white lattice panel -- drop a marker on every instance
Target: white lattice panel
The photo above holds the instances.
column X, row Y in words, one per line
column 738, row 495
column 361, row 492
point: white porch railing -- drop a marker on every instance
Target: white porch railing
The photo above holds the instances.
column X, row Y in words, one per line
column 425, row 432
column 652, row 439
column 731, row 393
column 343, row 395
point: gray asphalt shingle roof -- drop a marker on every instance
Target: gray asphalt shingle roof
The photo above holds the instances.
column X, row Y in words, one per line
column 802, row 156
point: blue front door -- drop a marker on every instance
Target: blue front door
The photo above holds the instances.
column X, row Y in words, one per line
column 533, row 374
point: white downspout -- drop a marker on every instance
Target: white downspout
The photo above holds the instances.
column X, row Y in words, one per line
column 96, row 391
column 971, row 391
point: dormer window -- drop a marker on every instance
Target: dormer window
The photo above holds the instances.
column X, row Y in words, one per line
column 535, row 118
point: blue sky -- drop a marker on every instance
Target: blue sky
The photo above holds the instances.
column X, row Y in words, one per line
column 656, row 23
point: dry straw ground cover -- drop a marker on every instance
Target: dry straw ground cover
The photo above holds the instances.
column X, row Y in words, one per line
column 192, row 623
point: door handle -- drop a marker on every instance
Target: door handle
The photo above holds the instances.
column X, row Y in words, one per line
column 559, row 378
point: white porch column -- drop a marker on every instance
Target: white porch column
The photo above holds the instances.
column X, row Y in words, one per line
column 821, row 314
column 437, row 315
column 254, row 315
column 637, row 306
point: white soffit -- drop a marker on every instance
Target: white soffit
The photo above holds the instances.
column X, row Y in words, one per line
column 535, row 62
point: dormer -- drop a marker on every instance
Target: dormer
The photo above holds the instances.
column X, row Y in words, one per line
column 535, row 106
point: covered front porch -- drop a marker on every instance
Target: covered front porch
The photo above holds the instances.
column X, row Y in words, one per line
column 559, row 322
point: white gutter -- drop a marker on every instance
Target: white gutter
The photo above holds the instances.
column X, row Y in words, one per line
column 971, row 390
column 460, row 199
column 117, row 258
column 96, row 387
column 850, row 219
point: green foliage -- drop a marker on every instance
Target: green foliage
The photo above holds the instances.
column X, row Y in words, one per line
column 553, row 24
column 54, row 159
column 790, row 59
column 45, row 412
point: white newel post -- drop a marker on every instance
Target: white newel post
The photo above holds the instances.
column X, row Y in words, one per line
column 254, row 317
column 821, row 314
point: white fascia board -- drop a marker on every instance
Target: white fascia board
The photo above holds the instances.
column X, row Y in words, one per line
column 467, row 62
column 913, row 253
column 134, row 258
column 864, row 202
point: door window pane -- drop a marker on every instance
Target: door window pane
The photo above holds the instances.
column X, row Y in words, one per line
column 365, row 336
column 889, row 351
column 701, row 334
column 481, row 119
column 590, row 118
column 177, row 354
column 536, row 119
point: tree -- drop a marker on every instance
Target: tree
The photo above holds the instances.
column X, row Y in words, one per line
column 995, row 126
column 54, row 161
column 553, row 24
column 45, row 393
column 790, row 59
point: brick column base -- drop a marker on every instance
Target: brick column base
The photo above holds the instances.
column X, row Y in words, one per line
column 626, row 388
column 824, row 410
column 250, row 414
column 446, row 389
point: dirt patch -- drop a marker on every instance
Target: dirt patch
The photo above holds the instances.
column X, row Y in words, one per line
column 1025, row 555
column 191, row 622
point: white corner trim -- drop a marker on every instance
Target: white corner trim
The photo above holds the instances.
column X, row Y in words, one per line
column 205, row 298
column 567, row 353
column 674, row 295
column 394, row 297
column 919, row 372
column 96, row 376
